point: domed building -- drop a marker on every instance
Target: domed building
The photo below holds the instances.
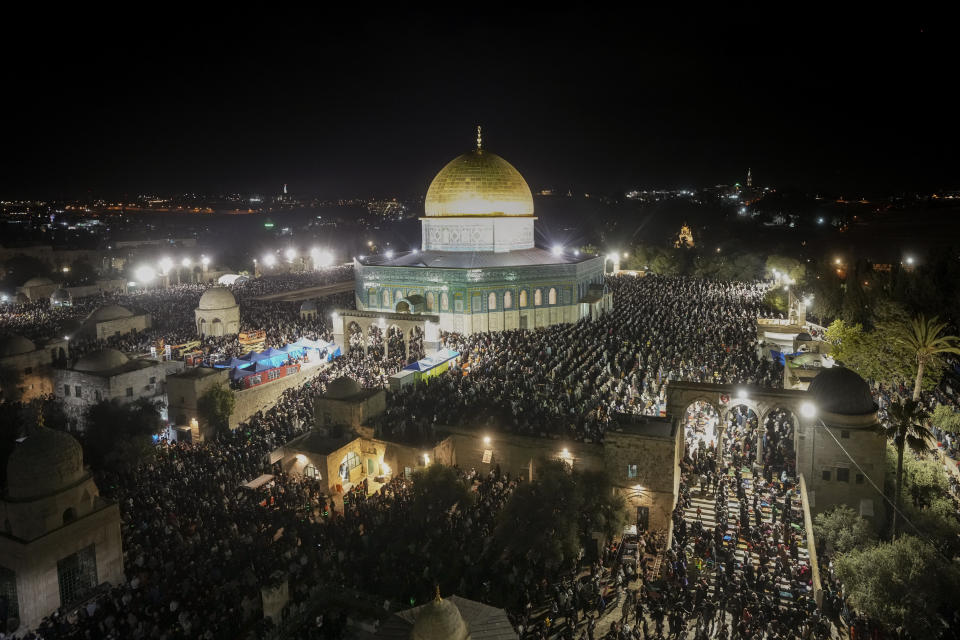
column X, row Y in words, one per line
column 452, row 618
column 217, row 314
column 32, row 364
column 478, row 268
column 60, row 540
column 113, row 320
column 37, row 288
column 107, row 374
column 844, row 428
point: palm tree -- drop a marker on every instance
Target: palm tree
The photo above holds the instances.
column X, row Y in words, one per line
column 905, row 426
column 922, row 336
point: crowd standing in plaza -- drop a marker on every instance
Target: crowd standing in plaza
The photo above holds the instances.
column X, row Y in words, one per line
column 568, row 380
column 198, row 546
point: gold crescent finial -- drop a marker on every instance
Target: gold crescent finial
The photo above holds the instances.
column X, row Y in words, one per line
column 436, row 597
column 479, row 138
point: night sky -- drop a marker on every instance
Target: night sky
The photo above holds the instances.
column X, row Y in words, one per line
column 352, row 105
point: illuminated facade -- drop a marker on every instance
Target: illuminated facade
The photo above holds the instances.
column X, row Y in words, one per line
column 477, row 268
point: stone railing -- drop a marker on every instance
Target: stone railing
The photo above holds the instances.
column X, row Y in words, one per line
column 811, row 544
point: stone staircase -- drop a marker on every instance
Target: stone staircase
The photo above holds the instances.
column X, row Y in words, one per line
column 708, row 519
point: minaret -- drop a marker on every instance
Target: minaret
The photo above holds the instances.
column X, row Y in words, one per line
column 749, row 178
column 479, row 139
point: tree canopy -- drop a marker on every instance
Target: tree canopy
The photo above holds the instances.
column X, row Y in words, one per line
column 118, row 435
column 902, row 583
column 215, row 407
column 437, row 489
column 546, row 521
column 842, row 529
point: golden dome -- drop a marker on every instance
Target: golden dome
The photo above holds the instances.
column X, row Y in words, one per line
column 478, row 183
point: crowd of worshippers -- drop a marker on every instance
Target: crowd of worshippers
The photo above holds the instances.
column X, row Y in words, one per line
column 741, row 574
column 569, row 379
column 171, row 310
column 198, row 545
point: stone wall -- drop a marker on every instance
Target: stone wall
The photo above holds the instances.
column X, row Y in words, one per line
column 831, row 478
column 146, row 382
column 264, row 396
column 122, row 326
column 35, row 563
column 352, row 413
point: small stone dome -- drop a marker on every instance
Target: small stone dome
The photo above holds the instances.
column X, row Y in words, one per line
column 102, row 360
column 110, row 312
column 439, row 620
column 842, row 391
column 309, row 305
column 217, row 298
column 37, row 282
column 343, row 387
column 14, row 345
column 46, row 462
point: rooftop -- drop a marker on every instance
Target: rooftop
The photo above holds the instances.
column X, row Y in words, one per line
column 475, row 259
column 645, row 426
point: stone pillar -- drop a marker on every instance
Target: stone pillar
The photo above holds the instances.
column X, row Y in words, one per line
column 760, row 432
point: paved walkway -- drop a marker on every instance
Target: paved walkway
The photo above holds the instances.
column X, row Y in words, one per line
column 309, row 293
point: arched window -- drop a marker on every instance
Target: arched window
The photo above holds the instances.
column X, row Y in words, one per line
column 507, row 300
column 431, row 299
column 397, row 296
column 537, row 298
column 386, row 298
column 552, row 296
column 372, row 297
column 523, row 298
column 69, row 515
column 444, row 302
column 492, row 302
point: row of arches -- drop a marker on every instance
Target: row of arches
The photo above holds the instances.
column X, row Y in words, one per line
column 768, row 439
column 386, row 341
column 394, row 299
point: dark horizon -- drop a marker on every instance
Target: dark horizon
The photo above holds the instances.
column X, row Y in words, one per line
column 376, row 106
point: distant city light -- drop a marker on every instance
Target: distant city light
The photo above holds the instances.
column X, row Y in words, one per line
column 416, row 251
column 557, row 250
column 269, row 260
column 576, row 252
column 820, row 220
column 205, row 261
column 186, row 262
column 837, row 261
column 165, row 264
column 909, row 259
column 291, row 253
